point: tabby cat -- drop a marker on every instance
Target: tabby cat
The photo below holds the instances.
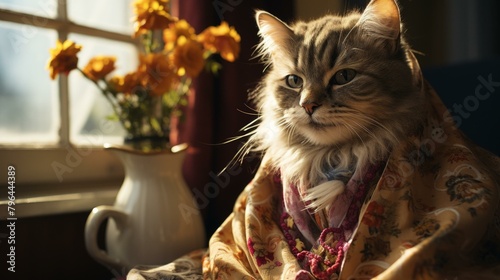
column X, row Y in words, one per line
column 342, row 108
column 339, row 93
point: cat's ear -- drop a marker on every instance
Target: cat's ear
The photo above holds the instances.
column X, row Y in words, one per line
column 275, row 34
column 418, row 78
column 381, row 19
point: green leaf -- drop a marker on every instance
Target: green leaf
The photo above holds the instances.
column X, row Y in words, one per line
column 155, row 124
column 112, row 117
column 213, row 66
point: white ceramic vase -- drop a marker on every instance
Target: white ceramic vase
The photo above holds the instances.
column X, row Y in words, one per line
column 154, row 219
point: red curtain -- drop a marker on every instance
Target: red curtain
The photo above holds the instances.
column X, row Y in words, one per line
column 214, row 113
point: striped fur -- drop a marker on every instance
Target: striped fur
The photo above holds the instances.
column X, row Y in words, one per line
column 356, row 123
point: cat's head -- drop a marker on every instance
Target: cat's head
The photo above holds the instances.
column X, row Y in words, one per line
column 338, row 80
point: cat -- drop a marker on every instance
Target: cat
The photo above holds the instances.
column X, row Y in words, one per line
column 339, row 93
column 342, row 100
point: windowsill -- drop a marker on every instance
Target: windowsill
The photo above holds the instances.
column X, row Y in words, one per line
column 78, row 198
column 59, row 180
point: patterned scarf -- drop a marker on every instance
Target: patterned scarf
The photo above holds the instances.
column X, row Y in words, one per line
column 325, row 258
column 431, row 212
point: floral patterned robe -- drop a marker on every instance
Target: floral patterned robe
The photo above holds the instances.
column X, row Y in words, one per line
column 429, row 212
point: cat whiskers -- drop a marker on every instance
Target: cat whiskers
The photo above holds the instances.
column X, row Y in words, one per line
column 380, row 125
column 353, row 131
column 363, row 127
column 371, row 121
column 288, row 127
column 357, row 49
column 348, row 33
column 238, row 157
column 251, row 125
column 248, row 113
column 341, row 31
column 245, row 149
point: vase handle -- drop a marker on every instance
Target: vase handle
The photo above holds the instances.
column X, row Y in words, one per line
column 94, row 221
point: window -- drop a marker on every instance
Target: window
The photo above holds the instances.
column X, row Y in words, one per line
column 28, row 110
column 53, row 131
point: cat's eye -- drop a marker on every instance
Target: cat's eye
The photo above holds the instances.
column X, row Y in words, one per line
column 343, row 76
column 293, row 81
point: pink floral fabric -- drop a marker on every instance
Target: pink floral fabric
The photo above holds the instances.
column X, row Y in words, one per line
column 431, row 211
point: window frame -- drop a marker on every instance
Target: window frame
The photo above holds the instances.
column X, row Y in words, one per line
column 62, row 177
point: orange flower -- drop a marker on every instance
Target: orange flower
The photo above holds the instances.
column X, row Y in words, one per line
column 125, row 84
column 99, row 66
column 157, row 73
column 63, row 58
column 188, row 57
column 151, row 14
column 175, row 31
column 222, row 39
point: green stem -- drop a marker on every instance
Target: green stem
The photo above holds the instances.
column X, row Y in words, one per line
column 148, row 41
column 106, row 94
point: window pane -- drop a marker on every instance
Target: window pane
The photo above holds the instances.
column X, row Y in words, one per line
column 29, row 101
column 44, row 8
column 89, row 109
column 113, row 15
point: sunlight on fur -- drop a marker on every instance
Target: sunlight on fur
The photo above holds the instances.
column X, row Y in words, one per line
column 356, row 79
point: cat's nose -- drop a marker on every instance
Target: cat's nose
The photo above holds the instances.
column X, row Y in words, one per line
column 310, row 107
